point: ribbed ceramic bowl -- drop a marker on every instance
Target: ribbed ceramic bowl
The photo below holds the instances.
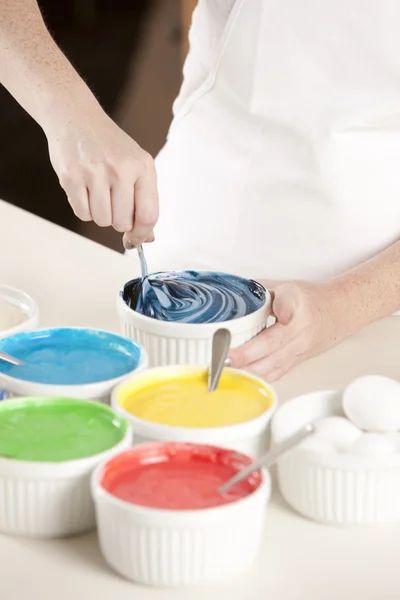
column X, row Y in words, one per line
column 249, row 437
column 24, row 303
column 99, row 390
column 161, row 547
column 174, row 343
column 51, row 499
column 332, row 487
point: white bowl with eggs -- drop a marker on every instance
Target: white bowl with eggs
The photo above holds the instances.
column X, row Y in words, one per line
column 178, row 343
column 158, row 409
column 18, row 311
column 343, row 474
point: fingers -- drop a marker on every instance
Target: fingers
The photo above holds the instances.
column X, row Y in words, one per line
column 122, row 205
column 285, row 302
column 146, row 206
column 284, row 305
column 100, row 199
column 89, row 197
column 266, row 343
column 78, row 198
column 274, row 366
column 151, row 237
column 278, row 348
column 302, row 330
column 130, row 207
column 106, row 175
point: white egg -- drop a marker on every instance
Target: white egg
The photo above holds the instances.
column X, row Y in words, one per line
column 373, row 403
column 373, row 443
column 317, row 444
column 338, row 431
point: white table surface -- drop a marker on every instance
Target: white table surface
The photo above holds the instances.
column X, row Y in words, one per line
column 75, row 282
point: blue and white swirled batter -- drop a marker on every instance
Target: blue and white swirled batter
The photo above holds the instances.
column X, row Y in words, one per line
column 194, row 296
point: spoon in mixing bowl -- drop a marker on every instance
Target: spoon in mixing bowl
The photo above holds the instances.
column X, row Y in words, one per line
column 11, row 359
column 143, row 263
column 220, row 348
column 148, row 296
column 269, row 458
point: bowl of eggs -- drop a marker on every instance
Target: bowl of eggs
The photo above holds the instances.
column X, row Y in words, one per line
column 174, row 315
column 348, row 471
column 18, row 311
column 173, row 404
column 163, row 522
column 68, row 362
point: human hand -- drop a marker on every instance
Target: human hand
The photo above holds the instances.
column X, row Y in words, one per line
column 305, row 326
column 107, row 177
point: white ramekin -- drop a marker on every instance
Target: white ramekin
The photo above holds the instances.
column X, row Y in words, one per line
column 50, row 500
column 249, row 437
column 25, row 304
column 172, row 343
column 161, row 547
column 99, row 391
column 328, row 486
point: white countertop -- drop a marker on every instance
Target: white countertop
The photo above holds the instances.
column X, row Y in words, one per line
column 76, row 282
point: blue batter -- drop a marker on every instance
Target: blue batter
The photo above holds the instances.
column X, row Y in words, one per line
column 194, row 296
column 68, row 356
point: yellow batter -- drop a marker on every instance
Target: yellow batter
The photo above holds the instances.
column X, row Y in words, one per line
column 183, row 399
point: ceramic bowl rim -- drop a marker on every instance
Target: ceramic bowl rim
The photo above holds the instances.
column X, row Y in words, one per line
column 79, row 387
column 224, row 432
column 32, row 312
column 67, row 468
column 186, row 328
column 99, row 493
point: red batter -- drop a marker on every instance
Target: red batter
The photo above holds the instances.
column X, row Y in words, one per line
column 177, row 476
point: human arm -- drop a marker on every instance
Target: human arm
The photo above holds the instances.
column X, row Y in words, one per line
column 312, row 317
column 105, row 174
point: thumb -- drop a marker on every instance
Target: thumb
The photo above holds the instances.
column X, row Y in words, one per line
column 284, row 304
column 130, row 242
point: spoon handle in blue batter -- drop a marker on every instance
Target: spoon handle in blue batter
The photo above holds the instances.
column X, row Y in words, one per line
column 143, row 263
column 10, row 359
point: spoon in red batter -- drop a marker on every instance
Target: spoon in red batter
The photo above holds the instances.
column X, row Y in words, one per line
column 269, row 458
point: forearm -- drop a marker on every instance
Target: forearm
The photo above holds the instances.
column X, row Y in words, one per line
column 33, row 68
column 366, row 293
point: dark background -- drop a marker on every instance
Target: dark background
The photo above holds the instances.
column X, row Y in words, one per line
column 110, row 43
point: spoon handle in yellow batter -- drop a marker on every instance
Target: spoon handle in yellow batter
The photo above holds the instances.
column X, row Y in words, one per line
column 220, row 348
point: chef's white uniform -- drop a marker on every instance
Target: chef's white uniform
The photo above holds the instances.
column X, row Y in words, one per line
column 283, row 158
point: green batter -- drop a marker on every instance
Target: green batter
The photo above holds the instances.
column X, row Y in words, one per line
column 57, row 429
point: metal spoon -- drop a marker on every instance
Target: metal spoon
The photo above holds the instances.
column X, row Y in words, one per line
column 270, row 457
column 11, row 359
column 146, row 290
column 149, row 297
column 143, row 263
column 220, row 348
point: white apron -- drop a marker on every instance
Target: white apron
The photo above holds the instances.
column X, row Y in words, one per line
column 283, row 158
